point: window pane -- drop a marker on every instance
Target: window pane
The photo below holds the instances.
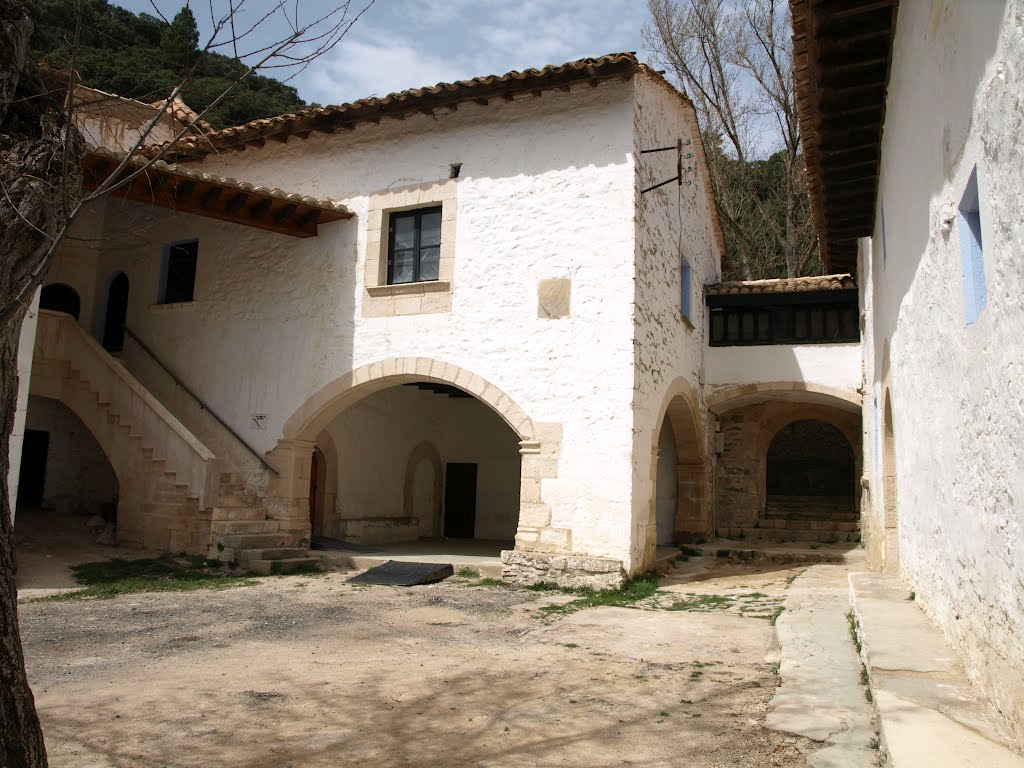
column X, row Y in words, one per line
column 401, row 267
column 430, row 262
column 405, row 231
column 181, row 272
column 430, row 229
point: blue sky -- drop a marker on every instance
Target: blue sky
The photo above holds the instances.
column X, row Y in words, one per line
column 399, row 44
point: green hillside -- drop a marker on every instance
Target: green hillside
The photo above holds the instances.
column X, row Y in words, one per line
column 141, row 56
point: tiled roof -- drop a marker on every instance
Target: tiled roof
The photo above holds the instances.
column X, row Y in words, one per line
column 783, row 285
column 450, row 95
column 184, row 114
column 226, row 182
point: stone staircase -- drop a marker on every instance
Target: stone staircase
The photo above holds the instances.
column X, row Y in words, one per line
column 824, row 519
column 242, row 531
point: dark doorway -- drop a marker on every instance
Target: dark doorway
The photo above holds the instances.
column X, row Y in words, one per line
column 117, row 311
column 460, row 501
column 314, row 473
column 32, row 476
column 810, row 458
column 60, row 297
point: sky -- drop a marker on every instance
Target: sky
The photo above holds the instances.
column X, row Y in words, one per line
column 400, row 44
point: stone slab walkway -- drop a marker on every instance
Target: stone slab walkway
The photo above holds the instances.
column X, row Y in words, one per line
column 928, row 713
column 821, row 696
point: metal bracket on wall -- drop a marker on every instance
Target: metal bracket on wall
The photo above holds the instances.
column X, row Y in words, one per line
column 680, row 171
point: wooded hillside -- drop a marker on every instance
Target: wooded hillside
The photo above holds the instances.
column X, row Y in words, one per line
column 143, row 57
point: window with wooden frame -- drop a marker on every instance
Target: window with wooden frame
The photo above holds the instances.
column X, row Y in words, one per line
column 414, row 246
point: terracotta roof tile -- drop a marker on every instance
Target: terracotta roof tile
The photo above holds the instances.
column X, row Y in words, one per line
column 328, row 119
column 843, row 282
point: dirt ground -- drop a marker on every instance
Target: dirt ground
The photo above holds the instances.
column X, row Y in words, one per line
column 312, row 671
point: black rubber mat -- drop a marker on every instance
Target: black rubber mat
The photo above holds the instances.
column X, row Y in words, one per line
column 401, row 574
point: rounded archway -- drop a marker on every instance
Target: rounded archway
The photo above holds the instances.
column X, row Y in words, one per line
column 890, row 494
column 809, row 458
column 116, row 313
column 679, row 474
column 424, row 450
column 60, row 297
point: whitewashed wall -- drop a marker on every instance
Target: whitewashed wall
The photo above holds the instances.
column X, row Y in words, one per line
column 546, row 191
column 376, row 436
column 957, row 390
column 26, row 343
column 836, row 366
column 670, row 222
column 78, row 475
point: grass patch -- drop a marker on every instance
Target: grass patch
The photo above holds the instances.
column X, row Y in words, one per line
column 690, row 551
column 164, row 574
column 487, row 582
column 468, row 573
column 851, row 620
column 277, row 568
column 544, row 586
column 631, row 592
column 694, row 602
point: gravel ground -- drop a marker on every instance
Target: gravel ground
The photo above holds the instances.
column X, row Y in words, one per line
column 312, row 671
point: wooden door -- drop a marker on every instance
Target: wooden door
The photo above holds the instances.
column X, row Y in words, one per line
column 460, row 501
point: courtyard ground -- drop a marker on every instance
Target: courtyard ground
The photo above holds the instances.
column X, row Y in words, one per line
column 312, row 671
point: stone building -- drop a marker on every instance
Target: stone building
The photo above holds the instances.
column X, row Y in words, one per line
column 464, row 316
column 912, row 127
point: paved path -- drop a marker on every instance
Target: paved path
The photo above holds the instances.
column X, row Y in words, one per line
column 929, row 714
column 821, row 696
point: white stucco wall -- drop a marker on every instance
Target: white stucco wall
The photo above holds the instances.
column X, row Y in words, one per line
column 546, row 191
column 376, row 436
column 957, row 392
column 78, row 473
column 829, row 365
column 26, row 343
column 671, row 222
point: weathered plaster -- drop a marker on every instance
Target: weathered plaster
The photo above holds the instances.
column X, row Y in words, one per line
column 957, row 393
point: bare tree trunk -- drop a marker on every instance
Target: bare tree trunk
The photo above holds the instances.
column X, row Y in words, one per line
column 39, row 174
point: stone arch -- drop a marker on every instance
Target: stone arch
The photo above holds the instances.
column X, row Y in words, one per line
column 60, row 297
column 890, row 495
column 841, row 420
column 680, row 407
column 313, row 415
column 810, row 457
column 735, row 396
column 424, row 452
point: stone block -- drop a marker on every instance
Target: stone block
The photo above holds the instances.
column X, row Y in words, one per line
column 534, row 515
column 554, row 298
column 560, row 539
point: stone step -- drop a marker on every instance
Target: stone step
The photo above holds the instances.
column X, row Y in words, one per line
column 253, row 540
column 232, row 499
column 238, row 513
column 277, row 553
column 243, row 526
column 266, row 567
column 808, row 525
column 846, row 516
column 782, row 534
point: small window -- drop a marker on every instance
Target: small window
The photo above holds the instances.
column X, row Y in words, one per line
column 414, row 246
column 178, row 281
column 972, row 256
column 60, row 297
column 685, row 289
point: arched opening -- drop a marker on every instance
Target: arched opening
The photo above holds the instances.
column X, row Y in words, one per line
column 810, row 468
column 889, row 488
column 68, row 490
column 60, row 297
column 117, row 312
column 399, row 446
column 667, row 487
column 315, row 471
column 679, row 510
